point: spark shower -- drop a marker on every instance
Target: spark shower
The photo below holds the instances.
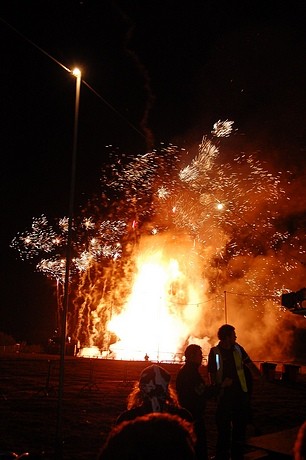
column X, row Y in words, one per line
column 175, row 244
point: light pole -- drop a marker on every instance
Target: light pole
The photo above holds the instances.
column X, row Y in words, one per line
column 59, row 442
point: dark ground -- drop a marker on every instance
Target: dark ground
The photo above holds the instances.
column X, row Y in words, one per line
column 95, row 392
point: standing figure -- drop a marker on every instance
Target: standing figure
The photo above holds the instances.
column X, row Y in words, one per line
column 193, row 393
column 227, row 361
column 153, row 393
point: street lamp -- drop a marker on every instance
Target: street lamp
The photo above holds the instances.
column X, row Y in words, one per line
column 59, row 444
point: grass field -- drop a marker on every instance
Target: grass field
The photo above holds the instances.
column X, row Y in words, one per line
column 94, row 393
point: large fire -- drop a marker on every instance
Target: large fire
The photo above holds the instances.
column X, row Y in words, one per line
column 159, row 313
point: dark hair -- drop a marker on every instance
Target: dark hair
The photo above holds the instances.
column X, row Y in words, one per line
column 151, row 436
column 136, row 397
column 225, row 331
column 191, row 351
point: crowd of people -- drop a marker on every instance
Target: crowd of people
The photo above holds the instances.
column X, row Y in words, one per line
column 162, row 421
column 167, row 420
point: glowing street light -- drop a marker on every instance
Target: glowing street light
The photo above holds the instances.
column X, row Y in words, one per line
column 77, row 73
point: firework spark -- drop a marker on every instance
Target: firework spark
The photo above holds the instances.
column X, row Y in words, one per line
column 46, row 240
column 228, row 211
column 222, row 128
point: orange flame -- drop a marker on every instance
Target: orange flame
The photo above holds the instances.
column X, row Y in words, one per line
column 157, row 317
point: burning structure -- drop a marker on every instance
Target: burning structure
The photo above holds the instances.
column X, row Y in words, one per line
column 173, row 247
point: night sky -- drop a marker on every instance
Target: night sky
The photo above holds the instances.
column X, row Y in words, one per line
column 162, row 71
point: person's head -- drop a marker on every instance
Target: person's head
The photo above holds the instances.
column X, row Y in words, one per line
column 149, row 437
column 193, row 354
column 227, row 334
column 152, row 389
column 299, row 449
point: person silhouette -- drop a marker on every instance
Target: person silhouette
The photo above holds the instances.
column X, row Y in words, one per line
column 193, row 393
column 227, row 360
column 299, row 448
column 153, row 393
column 149, row 437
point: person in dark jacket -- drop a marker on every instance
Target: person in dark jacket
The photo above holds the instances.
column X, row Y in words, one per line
column 193, row 393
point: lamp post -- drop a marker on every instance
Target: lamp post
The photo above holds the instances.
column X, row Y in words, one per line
column 59, row 443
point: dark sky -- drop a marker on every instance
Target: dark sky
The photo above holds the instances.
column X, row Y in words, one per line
column 163, row 71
